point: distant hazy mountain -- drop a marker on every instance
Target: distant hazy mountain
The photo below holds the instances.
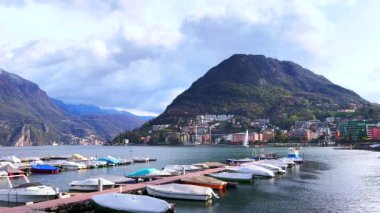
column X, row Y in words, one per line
column 106, row 122
column 88, row 109
column 28, row 117
column 259, row 87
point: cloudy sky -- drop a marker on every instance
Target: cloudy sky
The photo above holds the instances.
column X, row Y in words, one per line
column 139, row 55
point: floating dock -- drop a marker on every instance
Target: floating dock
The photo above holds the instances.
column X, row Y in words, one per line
column 81, row 201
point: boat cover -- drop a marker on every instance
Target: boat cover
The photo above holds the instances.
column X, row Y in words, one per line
column 253, row 169
column 182, row 189
column 91, row 182
column 10, row 168
column 235, row 176
column 11, row 158
column 204, row 180
column 214, row 164
column 118, row 179
column 131, row 203
column 109, row 159
column 44, row 167
column 181, row 167
column 78, row 157
column 148, row 172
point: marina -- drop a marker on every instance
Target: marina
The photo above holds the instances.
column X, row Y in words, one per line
column 317, row 177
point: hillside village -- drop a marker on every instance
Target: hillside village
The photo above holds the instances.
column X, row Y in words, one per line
column 229, row 129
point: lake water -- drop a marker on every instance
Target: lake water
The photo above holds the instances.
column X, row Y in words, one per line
column 329, row 181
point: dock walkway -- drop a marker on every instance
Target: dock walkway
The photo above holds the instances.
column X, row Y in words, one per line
column 55, row 205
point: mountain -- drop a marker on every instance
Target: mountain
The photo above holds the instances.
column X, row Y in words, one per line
column 89, row 109
column 28, row 117
column 107, row 123
column 259, row 87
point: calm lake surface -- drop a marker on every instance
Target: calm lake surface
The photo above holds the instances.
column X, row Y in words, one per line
column 329, row 181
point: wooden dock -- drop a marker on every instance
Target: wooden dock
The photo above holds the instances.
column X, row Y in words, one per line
column 81, row 198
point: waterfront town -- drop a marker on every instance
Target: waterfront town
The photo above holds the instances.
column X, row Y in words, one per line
column 229, row 129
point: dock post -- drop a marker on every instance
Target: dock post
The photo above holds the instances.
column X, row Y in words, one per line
column 100, row 185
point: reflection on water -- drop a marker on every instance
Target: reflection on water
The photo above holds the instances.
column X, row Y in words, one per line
column 329, row 181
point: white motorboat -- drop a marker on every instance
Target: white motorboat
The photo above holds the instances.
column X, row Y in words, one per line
column 26, row 192
column 182, row 167
column 73, row 165
column 233, row 177
column 91, row 184
column 12, row 159
column 181, row 191
column 293, row 154
column 276, row 162
column 274, row 168
column 95, row 163
column 131, row 203
column 253, row 169
column 288, row 161
column 239, row 161
column 140, row 159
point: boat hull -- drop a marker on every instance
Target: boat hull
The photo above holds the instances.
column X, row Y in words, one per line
column 247, row 179
column 213, row 186
column 26, row 198
column 19, row 196
column 91, row 188
column 44, row 171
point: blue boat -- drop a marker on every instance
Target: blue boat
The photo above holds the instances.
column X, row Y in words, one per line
column 293, row 154
column 142, row 172
column 110, row 160
column 44, row 169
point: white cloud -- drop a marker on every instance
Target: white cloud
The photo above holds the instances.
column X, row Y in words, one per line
column 140, row 54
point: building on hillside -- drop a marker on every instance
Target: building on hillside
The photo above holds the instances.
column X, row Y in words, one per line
column 373, row 131
column 268, row 136
column 160, row 127
column 301, row 133
column 184, row 137
column 354, row 130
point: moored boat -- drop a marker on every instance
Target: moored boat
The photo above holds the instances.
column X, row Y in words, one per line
column 239, row 161
column 131, row 203
column 293, row 154
column 181, row 191
column 110, row 160
column 182, row 167
column 274, row 168
column 205, row 181
column 148, row 172
column 73, row 165
column 26, row 192
column 118, row 180
column 233, row 177
column 140, row 159
column 44, row 169
column 12, row 159
column 10, row 169
column 91, row 184
column 253, row 169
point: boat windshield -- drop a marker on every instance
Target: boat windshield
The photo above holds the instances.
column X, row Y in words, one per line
column 25, row 185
